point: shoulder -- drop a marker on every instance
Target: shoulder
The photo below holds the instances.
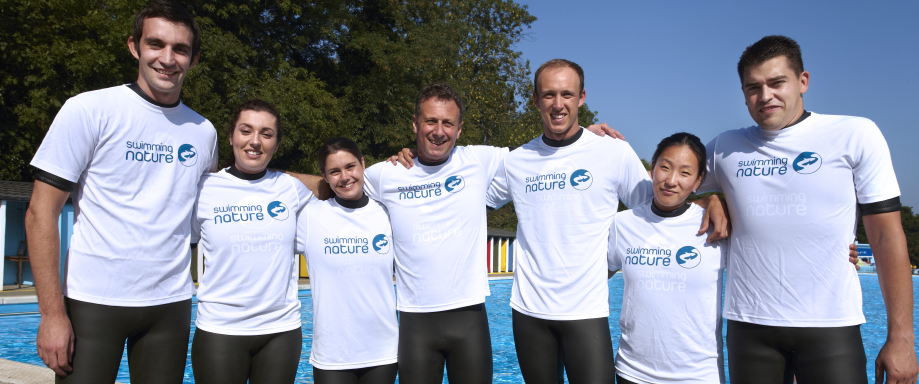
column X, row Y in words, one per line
column 100, row 98
column 850, row 124
column 531, row 146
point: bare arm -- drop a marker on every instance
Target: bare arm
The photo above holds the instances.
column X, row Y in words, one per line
column 55, row 334
column 716, row 214
column 888, row 242
column 314, row 183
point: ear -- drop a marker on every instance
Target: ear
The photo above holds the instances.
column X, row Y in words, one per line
column 133, row 48
column 459, row 130
column 805, row 79
column 362, row 163
column 695, row 186
column 535, row 100
column 414, row 124
column 194, row 60
column 583, row 98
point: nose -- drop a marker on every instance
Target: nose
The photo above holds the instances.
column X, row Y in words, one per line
column 168, row 58
column 557, row 103
column 671, row 179
column 255, row 140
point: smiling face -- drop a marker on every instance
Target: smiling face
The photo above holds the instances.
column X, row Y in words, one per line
column 773, row 93
column 345, row 174
column 558, row 96
column 254, row 140
column 164, row 53
column 437, row 127
column 674, row 175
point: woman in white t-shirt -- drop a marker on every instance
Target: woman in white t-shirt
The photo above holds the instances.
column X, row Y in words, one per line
column 350, row 260
column 248, row 321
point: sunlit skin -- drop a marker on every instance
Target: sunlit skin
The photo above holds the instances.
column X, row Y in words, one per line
column 254, row 140
column 773, row 93
column 436, row 127
column 558, row 96
column 345, row 174
column 164, row 57
column 674, row 176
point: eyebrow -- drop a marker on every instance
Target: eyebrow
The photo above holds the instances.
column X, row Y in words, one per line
column 772, row 79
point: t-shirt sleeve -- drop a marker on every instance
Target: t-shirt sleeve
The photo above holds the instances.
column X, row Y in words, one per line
column 68, row 147
column 635, row 185
column 491, row 158
column 612, row 256
column 373, row 180
column 214, row 158
column 874, row 176
column 305, row 198
column 710, row 183
column 195, row 224
column 499, row 191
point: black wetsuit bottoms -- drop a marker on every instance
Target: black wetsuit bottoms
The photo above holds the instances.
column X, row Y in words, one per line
column 157, row 338
column 258, row 359
column 547, row 349
column 760, row 354
column 380, row 374
column 458, row 337
column 622, row 380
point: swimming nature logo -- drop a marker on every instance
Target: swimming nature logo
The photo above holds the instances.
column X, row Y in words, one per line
column 381, row 243
column 581, row 179
column 188, row 156
column 277, row 210
column 454, row 184
column 807, row 163
column 688, row 257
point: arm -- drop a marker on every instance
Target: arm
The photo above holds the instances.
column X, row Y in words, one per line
column 55, row 334
column 888, row 242
column 314, row 183
column 716, row 214
column 604, row 129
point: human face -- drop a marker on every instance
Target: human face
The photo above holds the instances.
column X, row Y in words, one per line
column 254, row 140
column 674, row 176
column 774, row 93
column 437, row 128
column 558, row 96
column 345, row 174
column 164, row 56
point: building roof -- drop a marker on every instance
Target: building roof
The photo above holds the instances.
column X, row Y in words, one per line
column 15, row 190
column 501, row 233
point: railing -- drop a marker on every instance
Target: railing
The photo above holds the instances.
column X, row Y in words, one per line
column 501, row 252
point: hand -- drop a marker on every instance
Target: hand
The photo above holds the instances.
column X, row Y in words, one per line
column 853, row 255
column 604, row 129
column 898, row 360
column 55, row 343
column 404, row 157
column 716, row 214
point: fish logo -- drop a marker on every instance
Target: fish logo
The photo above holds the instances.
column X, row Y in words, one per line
column 188, row 156
column 381, row 243
column 454, row 184
column 581, row 179
column 277, row 210
column 807, row 163
column 688, row 257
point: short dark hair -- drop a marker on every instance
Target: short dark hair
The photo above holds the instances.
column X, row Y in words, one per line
column 555, row 64
column 171, row 11
column 334, row 145
column 768, row 48
column 439, row 91
column 687, row 139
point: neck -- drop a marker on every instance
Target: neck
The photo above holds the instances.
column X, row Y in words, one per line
column 235, row 171
column 661, row 211
column 804, row 114
column 159, row 97
column 358, row 202
column 564, row 142
column 424, row 161
column 571, row 131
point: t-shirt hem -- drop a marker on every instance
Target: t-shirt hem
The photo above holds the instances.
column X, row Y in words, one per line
column 700, row 376
column 442, row 307
column 247, row 332
column 127, row 303
column 339, row 367
column 552, row 316
column 810, row 323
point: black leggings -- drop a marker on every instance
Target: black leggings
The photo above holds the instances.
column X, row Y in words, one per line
column 459, row 337
column 547, row 349
column 157, row 339
column 228, row 359
column 760, row 354
column 622, row 380
column 380, row 374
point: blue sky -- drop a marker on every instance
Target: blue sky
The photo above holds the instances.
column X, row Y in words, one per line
column 653, row 68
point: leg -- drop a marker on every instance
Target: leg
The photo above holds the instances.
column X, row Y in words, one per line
column 100, row 332
column 420, row 357
column 381, row 374
column 758, row 354
column 537, row 347
column 277, row 360
column 157, row 352
column 345, row 376
column 469, row 358
column 620, row 380
column 588, row 350
column 830, row 355
column 220, row 359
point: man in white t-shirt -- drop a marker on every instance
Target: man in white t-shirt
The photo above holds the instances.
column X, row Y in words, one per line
column 131, row 156
column 795, row 184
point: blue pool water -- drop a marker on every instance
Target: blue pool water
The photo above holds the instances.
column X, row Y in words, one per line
column 17, row 332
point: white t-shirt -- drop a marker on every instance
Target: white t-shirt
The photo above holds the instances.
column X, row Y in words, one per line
column 136, row 168
column 350, row 257
column 792, row 195
column 248, row 232
column 671, row 302
column 565, row 198
column 439, row 227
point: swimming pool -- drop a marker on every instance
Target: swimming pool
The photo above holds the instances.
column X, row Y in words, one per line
column 17, row 332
